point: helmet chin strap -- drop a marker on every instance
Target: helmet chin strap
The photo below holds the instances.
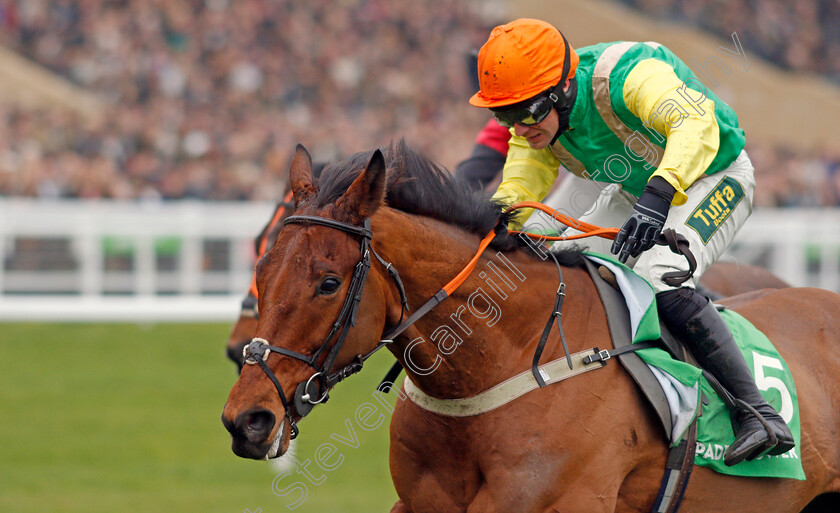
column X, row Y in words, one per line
column 562, row 101
column 564, row 110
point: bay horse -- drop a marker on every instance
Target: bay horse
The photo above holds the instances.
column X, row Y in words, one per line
column 725, row 279
column 588, row 444
column 722, row 279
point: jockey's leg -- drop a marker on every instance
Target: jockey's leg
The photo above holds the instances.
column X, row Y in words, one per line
column 717, row 207
column 697, row 322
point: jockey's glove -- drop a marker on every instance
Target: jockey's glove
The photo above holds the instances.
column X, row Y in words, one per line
column 503, row 240
column 645, row 223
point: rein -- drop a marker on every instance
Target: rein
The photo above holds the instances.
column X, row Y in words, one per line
column 676, row 243
column 589, row 230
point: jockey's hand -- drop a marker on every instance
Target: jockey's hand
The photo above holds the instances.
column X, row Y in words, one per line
column 645, row 223
column 502, row 239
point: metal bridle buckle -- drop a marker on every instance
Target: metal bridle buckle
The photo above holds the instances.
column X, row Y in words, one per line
column 251, row 351
column 604, row 355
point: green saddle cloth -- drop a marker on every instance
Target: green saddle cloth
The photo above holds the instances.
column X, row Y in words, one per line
column 714, row 428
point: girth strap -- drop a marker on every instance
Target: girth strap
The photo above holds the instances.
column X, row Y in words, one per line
column 554, row 371
column 677, row 472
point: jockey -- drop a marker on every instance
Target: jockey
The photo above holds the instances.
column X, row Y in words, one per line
column 634, row 115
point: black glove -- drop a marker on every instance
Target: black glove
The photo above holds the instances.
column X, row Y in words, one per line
column 503, row 240
column 642, row 228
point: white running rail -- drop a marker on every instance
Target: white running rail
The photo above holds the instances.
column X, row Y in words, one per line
column 192, row 261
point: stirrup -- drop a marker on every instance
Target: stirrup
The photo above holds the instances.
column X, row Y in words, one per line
column 780, row 442
column 730, row 459
column 743, row 408
column 773, row 440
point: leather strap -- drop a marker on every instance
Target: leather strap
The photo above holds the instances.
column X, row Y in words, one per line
column 605, row 354
column 679, row 245
column 323, row 221
column 678, row 469
column 503, row 393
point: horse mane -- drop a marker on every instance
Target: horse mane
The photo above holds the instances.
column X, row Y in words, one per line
column 417, row 185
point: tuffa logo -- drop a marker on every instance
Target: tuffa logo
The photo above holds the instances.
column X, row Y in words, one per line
column 715, row 208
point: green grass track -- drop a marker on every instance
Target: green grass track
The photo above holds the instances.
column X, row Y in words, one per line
column 125, row 418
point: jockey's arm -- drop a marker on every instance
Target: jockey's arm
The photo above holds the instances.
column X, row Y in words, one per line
column 488, row 155
column 527, row 176
column 654, row 93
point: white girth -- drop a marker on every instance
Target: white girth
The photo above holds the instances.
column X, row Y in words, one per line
column 503, row 393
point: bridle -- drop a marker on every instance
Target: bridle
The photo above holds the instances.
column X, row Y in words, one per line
column 319, row 384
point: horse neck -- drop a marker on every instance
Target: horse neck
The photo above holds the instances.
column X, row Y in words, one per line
column 488, row 329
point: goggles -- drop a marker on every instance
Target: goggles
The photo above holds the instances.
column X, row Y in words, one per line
column 528, row 115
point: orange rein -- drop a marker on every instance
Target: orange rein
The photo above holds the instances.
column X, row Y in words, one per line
column 468, row 269
column 589, row 230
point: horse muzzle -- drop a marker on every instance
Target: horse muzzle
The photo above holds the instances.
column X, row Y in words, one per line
column 251, row 434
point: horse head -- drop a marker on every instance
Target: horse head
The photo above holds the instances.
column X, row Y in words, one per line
column 314, row 285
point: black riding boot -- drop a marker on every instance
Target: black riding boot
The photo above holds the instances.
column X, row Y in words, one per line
column 712, row 344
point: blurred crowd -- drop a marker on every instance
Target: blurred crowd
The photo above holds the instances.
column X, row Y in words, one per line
column 207, row 98
column 801, row 35
column 785, row 178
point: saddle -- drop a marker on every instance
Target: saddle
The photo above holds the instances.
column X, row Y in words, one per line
column 618, row 321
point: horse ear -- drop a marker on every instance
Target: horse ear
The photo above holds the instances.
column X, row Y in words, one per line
column 300, row 177
column 366, row 193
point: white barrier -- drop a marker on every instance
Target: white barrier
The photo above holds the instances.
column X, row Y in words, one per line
column 82, row 288
column 800, row 246
column 150, row 309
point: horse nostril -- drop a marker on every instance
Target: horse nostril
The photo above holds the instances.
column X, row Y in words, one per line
column 256, row 425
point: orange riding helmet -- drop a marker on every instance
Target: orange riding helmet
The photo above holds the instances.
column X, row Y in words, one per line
column 521, row 60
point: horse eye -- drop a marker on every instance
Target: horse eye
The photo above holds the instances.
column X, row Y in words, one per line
column 329, row 285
